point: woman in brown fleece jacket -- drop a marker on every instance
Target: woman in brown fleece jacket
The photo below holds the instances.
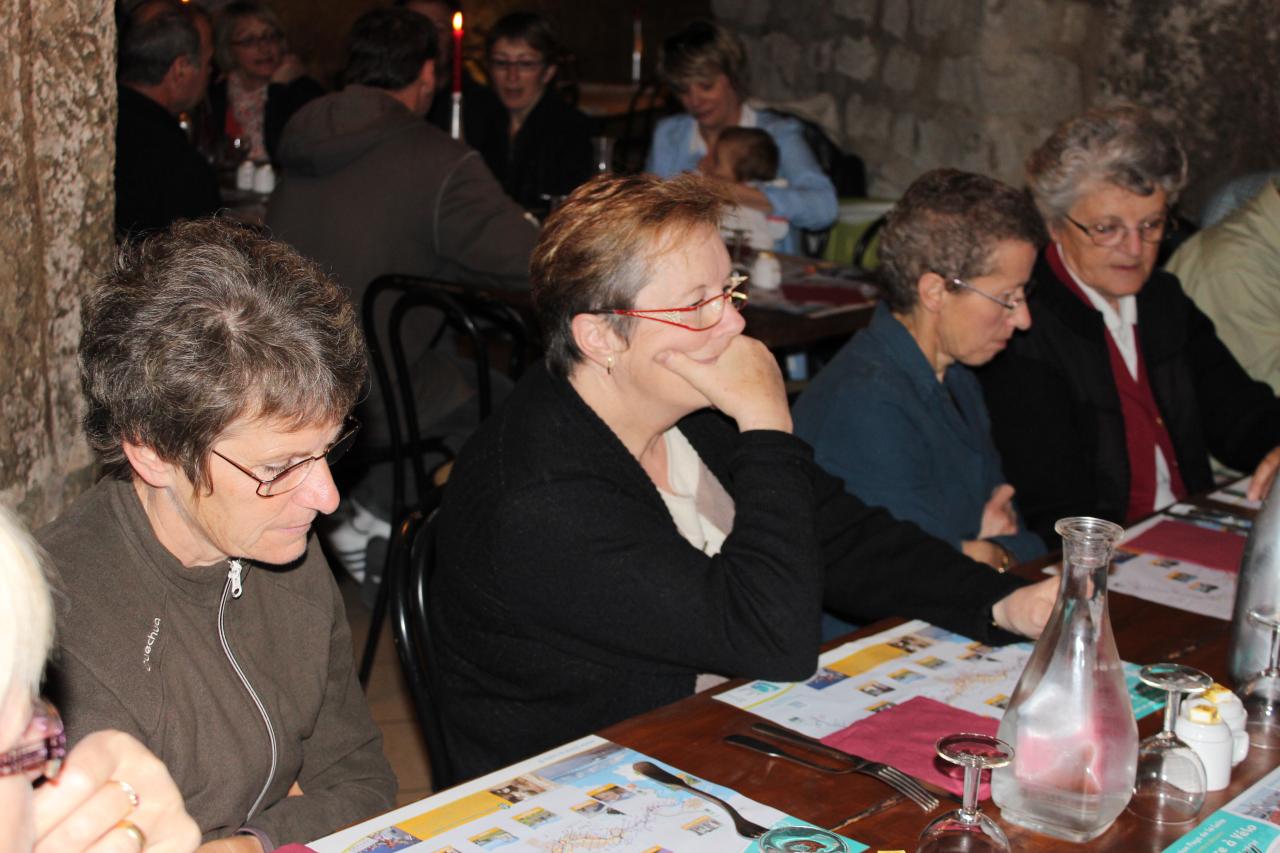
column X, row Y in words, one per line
column 218, row 368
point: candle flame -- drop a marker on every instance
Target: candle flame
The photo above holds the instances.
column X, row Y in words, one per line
column 457, row 22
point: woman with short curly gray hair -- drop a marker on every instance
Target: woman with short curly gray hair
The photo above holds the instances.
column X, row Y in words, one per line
column 1112, row 402
column 201, row 617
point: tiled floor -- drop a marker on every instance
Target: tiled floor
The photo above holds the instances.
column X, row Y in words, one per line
column 390, row 703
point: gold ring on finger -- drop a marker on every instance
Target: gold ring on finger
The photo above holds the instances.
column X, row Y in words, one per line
column 131, row 829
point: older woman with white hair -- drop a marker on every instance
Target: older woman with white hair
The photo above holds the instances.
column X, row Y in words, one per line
column 110, row 792
column 1112, row 402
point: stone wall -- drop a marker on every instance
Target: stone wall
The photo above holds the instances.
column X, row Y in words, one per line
column 976, row 84
column 57, row 108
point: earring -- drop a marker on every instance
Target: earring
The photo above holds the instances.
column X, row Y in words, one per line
column 608, row 365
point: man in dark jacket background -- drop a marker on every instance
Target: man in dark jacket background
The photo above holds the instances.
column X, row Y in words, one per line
column 369, row 188
column 165, row 54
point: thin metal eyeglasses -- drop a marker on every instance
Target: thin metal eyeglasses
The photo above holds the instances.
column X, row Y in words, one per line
column 523, row 66
column 703, row 315
column 1108, row 234
column 291, row 477
column 45, row 746
column 261, row 40
column 1008, row 304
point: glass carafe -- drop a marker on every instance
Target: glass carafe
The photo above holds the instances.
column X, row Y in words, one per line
column 1070, row 721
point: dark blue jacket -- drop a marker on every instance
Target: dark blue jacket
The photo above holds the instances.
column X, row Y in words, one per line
column 879, row 419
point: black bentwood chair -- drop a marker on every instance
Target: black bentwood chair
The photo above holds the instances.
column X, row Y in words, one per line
column 467, row 319
column 412, row 558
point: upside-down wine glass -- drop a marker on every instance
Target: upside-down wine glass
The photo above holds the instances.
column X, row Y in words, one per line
column 968, row 830
column 1261, row 693
column 1170, row 784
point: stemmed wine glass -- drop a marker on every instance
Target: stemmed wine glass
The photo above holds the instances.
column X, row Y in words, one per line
column 1261, row 694
column 1170, row 785
column 968, row 829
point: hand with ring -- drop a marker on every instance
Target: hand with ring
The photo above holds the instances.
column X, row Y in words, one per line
column 112, row 794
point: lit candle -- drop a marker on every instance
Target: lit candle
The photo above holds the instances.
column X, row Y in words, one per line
column 455, row 122
column 637, row 48
column 457, row 52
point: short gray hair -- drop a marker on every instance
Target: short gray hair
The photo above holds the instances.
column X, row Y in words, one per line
column 949, row 222
column 206, row 323
column 150, row 45
column 26, row 612
column 1122, row 145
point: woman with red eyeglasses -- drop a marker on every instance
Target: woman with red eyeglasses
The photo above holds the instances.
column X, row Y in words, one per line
column 638, row 520
column 110, row 790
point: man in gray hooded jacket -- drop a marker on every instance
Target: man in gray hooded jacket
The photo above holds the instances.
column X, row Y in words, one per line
column 369, row 187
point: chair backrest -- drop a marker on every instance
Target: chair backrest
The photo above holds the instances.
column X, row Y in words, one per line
column 847, row 172
column 412, row 559
column 471, row 319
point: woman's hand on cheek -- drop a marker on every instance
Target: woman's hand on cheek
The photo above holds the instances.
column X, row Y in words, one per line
column 744, row 383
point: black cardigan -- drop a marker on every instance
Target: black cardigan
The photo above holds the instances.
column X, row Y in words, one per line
column 1056, row 416
column 550, row 155
column 565, row 600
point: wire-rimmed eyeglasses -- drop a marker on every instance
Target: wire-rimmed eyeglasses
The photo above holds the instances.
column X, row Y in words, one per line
column 701, row 316
column 1011, row 303
column 43, row 747
column 287, row 479
column 520, row 66
column 1108, row 234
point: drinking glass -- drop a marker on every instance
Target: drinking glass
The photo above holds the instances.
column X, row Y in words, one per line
column 968, row 830
column 801, row 839
column 1261, row 694
column 1170, row 784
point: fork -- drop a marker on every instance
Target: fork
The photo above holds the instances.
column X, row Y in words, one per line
column 744, row 827
column 891, row 776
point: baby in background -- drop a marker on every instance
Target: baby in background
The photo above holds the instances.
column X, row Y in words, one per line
column 748, row 155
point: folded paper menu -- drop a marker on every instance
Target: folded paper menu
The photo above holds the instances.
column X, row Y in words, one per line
column 904, row 736
column 585, row 795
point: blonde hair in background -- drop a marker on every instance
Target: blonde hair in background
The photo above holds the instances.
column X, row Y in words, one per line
column 26, row 609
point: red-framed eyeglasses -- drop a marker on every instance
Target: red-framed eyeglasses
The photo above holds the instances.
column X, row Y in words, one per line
column 701, row 316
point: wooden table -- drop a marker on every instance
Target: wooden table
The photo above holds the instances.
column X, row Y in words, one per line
column 688, row 734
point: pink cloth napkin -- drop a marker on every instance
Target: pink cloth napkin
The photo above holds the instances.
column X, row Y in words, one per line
column 904, row 736
column 1178, row 540
column 294, row 848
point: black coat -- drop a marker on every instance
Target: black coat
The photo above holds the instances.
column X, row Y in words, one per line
column 564, row 598
column 1056, row 415
column 550, row 155
column 160, row 176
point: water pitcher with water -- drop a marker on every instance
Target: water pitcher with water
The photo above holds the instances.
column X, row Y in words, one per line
column 1070, row 721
